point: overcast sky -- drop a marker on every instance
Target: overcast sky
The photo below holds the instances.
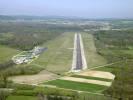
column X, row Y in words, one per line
column 79, row 8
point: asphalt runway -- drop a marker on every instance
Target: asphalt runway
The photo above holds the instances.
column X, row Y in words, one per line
column 79, row 56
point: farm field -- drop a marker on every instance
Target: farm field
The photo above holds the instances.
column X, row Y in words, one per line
column 90, row 81
column 76, row 85
column 90, row 77
column 99, row 74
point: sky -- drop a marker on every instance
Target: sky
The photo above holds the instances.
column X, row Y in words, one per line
column 69, row 8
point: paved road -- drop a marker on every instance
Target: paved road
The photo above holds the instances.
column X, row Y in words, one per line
column 79, row 56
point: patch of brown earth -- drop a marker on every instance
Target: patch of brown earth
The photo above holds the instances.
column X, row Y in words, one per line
column 100, row 74
column 34, row 79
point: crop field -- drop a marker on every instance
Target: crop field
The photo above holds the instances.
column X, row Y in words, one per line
column 76, row 85
column 99, row 74
column 89, row 81
column 6, row 53
column 90, row 77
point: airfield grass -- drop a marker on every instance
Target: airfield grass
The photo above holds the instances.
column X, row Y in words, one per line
column 106, row 69
column 130, row 52
column 6, row 53
column 93, row 78
column 77, row 85
column 92, row 57
column 13, row 97
column 58, row 57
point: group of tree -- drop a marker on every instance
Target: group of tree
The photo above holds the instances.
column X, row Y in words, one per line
column 112, row 44
column 24, row 35
column 6, row 64
column 115, row 39
column 122, row 86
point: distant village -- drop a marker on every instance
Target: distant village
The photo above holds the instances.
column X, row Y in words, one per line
column 28, row 56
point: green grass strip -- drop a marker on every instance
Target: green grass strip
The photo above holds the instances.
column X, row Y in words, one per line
column 13, row 97
column 94, row 78
column 77, row 85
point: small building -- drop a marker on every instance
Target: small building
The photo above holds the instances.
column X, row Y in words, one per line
column 19, row 60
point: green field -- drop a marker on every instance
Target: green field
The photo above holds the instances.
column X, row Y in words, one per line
column 77, row 85
column 93, row 59
column 106, row 69
column 58, row 57
column 21, row 98
column 6, row 53
column 93, row 78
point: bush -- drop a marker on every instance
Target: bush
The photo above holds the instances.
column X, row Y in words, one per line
column 23, row 87
column 56, row 91
column 122, row 85
column 3, row 94
column 22, row 70
column 25, row 92
column 7, row 64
